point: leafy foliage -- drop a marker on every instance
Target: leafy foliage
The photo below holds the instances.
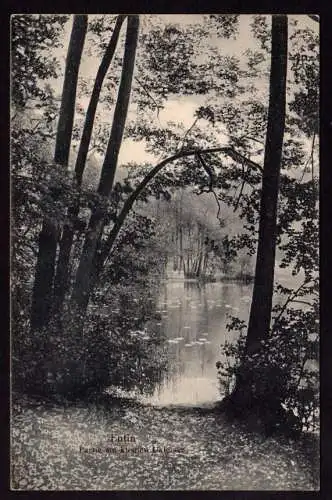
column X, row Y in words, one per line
column 231, row 97
column 283, row 369
column 305, row 65
column 33, row 37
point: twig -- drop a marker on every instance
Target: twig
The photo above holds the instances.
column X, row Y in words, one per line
column 36, row 126
column 29, row 245
column 241, row 190
column 211, row 175
column 150, row 96
column 206, row 168
column 290, row 298
column 25, row 232
column 218, row 203
column 188, row 131
column 302, row 302
column 252, row 138
column 236, row 156
column 311, row 157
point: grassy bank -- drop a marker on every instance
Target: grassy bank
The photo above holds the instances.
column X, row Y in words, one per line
column 112, row 445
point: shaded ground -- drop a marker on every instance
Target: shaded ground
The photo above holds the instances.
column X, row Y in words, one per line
column 75, row 447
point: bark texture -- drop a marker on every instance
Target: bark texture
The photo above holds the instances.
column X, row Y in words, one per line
column 61, row 282
column 243, row 402
column 261, row 305
column 86, row 273
column 42, row 294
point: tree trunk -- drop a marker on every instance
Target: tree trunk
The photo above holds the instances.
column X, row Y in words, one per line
column 61, row 282
column 261, row 305
column 199, row 267
column 87, row 273
column 242, row 399
column 41, row 294
column 42, row 290
column 92, row 108
column 181, row 240
column 67, row 109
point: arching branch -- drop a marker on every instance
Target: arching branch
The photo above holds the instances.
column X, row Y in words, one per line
column 229, row 151
column 238, row 157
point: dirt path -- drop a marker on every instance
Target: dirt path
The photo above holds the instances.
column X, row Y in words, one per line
column 117, row 447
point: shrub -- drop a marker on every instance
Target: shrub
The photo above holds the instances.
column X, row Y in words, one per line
column 283, row 370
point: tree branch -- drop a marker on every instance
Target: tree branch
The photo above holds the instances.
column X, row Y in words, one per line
column 302, row 302
column 158, row 107
column 311, row 157
column 252, row 138
column 188, row 131
column 211, row 176
column 207, row 169
column 290, row 298
column 241, row 190
column 228, row 150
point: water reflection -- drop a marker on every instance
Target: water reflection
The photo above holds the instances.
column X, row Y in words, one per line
column 194, row 321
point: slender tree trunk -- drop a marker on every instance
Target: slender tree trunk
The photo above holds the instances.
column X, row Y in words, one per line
column 181, row 247
column 42, row 290
column 92, row 108
column 61, row 282
column 199, row 266
column 44, row 273
column 206, row 257
column 176, row 256
column 67, row 109
column 86, row 273
column 261, row 306
column 242, row 398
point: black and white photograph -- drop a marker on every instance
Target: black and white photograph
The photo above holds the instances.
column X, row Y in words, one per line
column 164, row 252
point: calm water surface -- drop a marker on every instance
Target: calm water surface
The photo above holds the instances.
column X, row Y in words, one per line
column 194, row 318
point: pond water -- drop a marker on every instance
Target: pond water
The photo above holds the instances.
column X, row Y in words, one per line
column 193, row 319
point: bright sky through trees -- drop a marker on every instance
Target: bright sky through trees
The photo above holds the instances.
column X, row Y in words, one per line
column 179, row 109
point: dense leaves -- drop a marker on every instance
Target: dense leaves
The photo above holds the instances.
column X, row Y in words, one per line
column 32, row 39
column 228, row 97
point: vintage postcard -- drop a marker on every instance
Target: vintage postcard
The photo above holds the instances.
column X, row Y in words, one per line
column 164, row 252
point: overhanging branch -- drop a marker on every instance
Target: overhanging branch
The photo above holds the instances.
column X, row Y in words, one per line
column 228, row 150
